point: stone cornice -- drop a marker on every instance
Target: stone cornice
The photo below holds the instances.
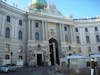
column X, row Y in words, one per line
column 39, row 16
column 12, row 8
column 91, row 22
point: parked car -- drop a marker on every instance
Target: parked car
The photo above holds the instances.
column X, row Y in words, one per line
column 8, row 68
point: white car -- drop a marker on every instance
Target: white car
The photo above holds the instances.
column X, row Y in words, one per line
column 8, row 68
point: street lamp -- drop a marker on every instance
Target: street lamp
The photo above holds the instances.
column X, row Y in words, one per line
column 69, row 55
column 11, row 56
column 44, row 54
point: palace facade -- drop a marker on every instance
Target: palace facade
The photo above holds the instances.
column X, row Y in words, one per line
column 42, row 35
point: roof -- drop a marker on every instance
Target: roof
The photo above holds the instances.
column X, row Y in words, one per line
column 41, row 2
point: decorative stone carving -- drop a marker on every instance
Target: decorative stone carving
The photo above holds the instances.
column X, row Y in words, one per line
column 51, row 33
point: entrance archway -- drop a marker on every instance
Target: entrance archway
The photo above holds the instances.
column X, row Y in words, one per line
column 54, row 53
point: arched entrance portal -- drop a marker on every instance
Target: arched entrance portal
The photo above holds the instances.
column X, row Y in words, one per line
column 54, row 53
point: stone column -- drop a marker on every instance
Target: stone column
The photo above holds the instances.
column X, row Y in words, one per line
column 43, row 31
column 46, row 31
column 2, row 27
column 29, row 30
column 71, row 34
column 33, row 28
column 60, row 27
column 63, row 34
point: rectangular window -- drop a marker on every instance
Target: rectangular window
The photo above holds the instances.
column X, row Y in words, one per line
column 20, row 22
column 66, row 38
column 89, row 49
column 36, row 25
column 79, row 50
column 86, row 29
column 20, row 49
column 99, row 48
column 76, row 29
column 7, row 57
column 65, row 28
column 21, row 57
column 97, row 38
column 87, row 39
column 77, row 39
column 96, row 29
column 8, row 18
column 7, row 47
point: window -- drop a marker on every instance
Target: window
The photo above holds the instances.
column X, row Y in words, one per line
column 99, row 48
column 65, row 28
column 89, row 49
column 7, row 57
column 66, row 38
column 77, row 39
column 79, row 50
column 86, row 29
column 87, row 39
column 76, row 29
column 8, row 18
column 96, row 29
column 21, row 57
column 20, row 49
column 37, row 36
column 7, row 33
column 20, row 35
column 36, row 25
column 7, row 47
column 97, row 38
column 20, row 22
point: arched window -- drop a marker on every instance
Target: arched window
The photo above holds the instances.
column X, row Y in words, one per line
column 7, row 33
column 37, row 36
column 20, row 35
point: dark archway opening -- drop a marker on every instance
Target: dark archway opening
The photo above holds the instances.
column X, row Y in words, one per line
column 53, row 48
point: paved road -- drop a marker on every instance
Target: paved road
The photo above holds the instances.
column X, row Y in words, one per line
column 34, row 71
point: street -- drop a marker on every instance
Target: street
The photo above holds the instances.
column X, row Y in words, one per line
column 33, row 71
column 50, row 71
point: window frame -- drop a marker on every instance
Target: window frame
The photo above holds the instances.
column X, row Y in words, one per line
column 78, row 39
column 36, row 25
column 86, row 29
column 76, row 30
column 87, row 39
column 7, row 32
column 8, row 19
column 96, row 28
column 20, row 22
column 37, row 36
column 20, row 35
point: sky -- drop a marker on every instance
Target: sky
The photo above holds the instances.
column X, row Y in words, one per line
column 76, row 8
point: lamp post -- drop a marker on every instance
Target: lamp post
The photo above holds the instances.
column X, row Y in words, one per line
column 69, row 55
column 44, row 54
column 11, row 56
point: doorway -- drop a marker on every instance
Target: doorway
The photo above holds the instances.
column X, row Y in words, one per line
column 39, row 59
column 54, row 57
